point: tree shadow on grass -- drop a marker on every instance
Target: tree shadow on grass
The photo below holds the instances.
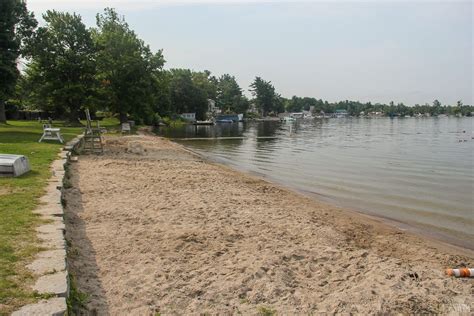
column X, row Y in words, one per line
column 15, row 136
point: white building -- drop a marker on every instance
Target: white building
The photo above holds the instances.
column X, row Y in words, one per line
column 212, row 109
column 188, row 116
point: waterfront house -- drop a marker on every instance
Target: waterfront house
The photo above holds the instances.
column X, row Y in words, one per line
column 253, row 108
column 212, row 109
column 340, row 113
column 308, row 115
column 188, row 116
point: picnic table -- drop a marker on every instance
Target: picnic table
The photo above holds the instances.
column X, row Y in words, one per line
column 50, row 133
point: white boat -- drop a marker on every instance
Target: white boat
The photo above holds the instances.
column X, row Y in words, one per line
column 224, row 121
column 288, row 119
column 208, row 122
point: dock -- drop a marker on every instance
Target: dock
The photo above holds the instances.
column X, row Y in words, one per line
column 223, row 138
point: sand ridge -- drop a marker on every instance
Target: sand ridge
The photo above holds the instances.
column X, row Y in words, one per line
column 155, row 228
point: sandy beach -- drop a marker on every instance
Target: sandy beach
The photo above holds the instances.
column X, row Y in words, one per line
column 153, row 228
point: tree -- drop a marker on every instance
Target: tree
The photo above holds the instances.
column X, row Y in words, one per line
column 16, row 27
column 127, row 68
column 63, row 64
column 436, row 109
column 295, row 104
column 265, row 96
column 162, row 94
column 278, row 105
column 203, row 80
column 229, row 95
column 241, row 104
column 186, row 95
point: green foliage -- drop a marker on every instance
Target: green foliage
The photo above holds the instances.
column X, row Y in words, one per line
column 229, row 95
column 127, row 68
column 189, row 92
column 251, row 115
column 266, row 311
column 16, row 26
column 162, row 94
column 63, row 66
column 266, row 99
column 76, row 301
column 205, row 82
column 174, row 121
column 18, row 197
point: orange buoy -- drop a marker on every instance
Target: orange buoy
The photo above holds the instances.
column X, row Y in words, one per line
column 461, row 273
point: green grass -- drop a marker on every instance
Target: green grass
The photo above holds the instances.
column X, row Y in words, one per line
column 113, row 126
column 110, row 123
column 266, row 311
column 18, row 197
column 76, row 299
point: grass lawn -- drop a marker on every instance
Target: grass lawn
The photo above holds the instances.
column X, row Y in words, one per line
column 18, row 197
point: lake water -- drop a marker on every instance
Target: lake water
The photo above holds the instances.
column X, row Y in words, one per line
column 417, row 171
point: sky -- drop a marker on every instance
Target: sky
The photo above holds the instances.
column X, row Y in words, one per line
column 379, row 51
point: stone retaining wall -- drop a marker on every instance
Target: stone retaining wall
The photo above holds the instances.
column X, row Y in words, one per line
column 50, row 265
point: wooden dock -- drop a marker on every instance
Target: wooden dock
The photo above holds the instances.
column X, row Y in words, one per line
column 223, row 138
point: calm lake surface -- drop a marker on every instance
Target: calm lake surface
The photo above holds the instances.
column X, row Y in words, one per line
column 416, row 171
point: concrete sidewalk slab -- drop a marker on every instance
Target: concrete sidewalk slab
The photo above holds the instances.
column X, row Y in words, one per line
column 55, row 283
column 49, row 261
column 54, row 306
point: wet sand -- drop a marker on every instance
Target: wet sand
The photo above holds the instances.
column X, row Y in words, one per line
column 156, row 228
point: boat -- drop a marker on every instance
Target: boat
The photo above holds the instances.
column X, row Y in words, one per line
column 288, row 119
column 230, row 117
column 224, row 121
column 208, row 122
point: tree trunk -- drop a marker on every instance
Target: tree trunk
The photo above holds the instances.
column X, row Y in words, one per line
column 123, row 117
column 3, row 116
column 73, row 117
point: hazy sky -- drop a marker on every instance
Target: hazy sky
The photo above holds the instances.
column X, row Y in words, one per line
column 405, row 51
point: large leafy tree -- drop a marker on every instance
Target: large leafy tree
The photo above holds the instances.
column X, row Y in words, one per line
column 162, row 94
column 229, row 95
column 16, row 26
column 63, row 64
column 127, row 69
column 187, row 95
column 205, row 81
column 181, row 90
column 205, row 86
column 266, row 98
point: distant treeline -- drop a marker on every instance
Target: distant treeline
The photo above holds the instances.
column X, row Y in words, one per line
column 356, row 108
column 108, row 68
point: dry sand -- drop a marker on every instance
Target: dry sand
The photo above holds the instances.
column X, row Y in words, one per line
column 155, row 228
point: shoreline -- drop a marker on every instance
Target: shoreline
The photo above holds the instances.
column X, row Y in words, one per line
column 418, row 230
column 190, row 235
